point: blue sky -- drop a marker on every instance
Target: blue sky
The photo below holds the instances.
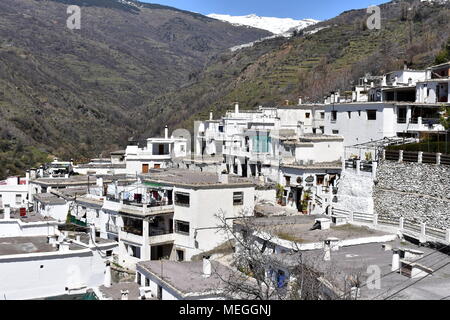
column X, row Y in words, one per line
column 296, row 9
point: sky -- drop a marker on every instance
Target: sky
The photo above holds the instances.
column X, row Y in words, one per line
column 296, row 9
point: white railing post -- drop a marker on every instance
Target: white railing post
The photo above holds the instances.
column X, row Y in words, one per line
column 438, row 158
column 350, row 216
column 447, row 235
column 375, row 219
column 423, row 229
column 401, row 223
column 400, row 156
column 358, row 166
column 420, row 157
column 374, row 170
column 383, row 154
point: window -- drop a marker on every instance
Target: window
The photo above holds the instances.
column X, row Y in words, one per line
column 109, row 253
column 335, row 131
column 238, row 198
column 182, row 199
column 322, row 115
column 18, row 199
column 371, row 114
column 180, row 255
column 288, row 181
column 97, row 213
column 147, row 282
column 349, row 114
column 322, row 128
column 333, row 115
column 182, row 227
column 308, row 115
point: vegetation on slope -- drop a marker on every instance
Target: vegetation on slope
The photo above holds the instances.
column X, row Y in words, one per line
column 311, row 65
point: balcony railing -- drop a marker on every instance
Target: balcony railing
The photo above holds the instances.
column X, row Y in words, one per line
column 132, row 230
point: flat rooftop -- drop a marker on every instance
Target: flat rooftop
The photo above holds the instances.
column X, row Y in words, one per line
column 354, row 261
column 297, row 229
column 188, row 178
column 30, row 217
column 25, row 245
column 81, row 180
column 187, row 277
column 49, row 199
column 115, row 291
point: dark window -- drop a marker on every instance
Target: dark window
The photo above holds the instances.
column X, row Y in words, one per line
column 333, row 115
column 180, row 255
column 335, row 131
column 182, row 227
column 139, row 278
column 359, row 113
column 133, row 226
column 136, row 252
column 147, row 282
column 238, row 198
column 322, row 128
column 182, row 199
column 109, row 253
column 322, row 115
column 308, row 115
column 288, row 181
column 220, row 128
column 371, row 114
column 349, row 114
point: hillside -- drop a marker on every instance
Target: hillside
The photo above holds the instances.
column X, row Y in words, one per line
column 78, row 92
column 328, row 56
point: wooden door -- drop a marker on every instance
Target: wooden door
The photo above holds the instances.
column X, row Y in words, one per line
column 145, row 168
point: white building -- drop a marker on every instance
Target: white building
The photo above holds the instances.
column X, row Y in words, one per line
column 172, row 213
column 14, row 192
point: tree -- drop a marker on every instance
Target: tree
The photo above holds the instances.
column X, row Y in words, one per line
column 256, row 274
column 445, row 117
column 444, row 55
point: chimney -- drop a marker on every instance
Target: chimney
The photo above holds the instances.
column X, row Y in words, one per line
column 236, row 108
column 41, row 171
column 334, row 243
column 7, row 212
column 206, row 266
column 211, row 115
column 107, row 280
column 33, row 173
column 78, row 237
column 299, row 100
column 166, row 132
column 223, row 178
column 395, row 260
column 52, row 240
column 27, row 175
column 405, row 65
column 124, row 294
column 327, row 250
column 286, row 102
column 410, row 82
column 100, row 184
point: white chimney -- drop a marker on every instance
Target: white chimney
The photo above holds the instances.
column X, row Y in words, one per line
column 334, row 243
column 395, row 260
column 211, row 115
column 107, row 280
column 53, row 240
column 166, row 132
column 236, row 108
column 124, row 294
column 223, row 178
column 27, row 175
column 299, row 100
column 33, row 173
column 41, row 171
column 7, row 212
column 100, row 184
column 206, row 267
column 78, row 238
column 327, row 250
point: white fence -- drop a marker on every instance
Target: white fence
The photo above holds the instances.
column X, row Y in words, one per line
column 417, row 230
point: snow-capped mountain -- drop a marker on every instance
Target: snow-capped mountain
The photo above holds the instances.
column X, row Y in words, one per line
column 278, row 26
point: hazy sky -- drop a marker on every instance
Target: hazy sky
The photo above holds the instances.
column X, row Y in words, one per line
column 297, row 9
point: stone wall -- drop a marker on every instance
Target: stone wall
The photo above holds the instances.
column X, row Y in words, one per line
column 355, row 192
column 417, row 192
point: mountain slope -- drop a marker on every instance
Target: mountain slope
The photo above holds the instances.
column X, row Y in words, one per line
column 78, row 92
column 274, row 25
column 330, row 55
